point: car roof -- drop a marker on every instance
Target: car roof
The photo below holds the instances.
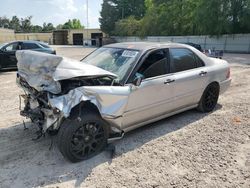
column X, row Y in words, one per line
column 27, row 41
column 142, row 46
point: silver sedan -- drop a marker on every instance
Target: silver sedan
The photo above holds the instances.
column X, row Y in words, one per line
column 115, row 89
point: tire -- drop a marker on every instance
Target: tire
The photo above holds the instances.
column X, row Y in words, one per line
column 209, row 98
column 52, row 132
column 79, row 140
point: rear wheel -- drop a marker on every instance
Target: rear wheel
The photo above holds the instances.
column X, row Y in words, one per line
column 209, row 98
column 81, row 139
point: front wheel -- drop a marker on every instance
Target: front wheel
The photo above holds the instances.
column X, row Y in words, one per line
column 82, row 138
column 209, row 98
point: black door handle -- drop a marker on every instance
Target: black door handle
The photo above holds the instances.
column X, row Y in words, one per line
column 168, row 81
column 202, row 73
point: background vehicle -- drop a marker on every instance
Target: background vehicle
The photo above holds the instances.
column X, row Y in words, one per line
column 211, row 53
column 8, row 51
column 117, row 88
column 197, row 46
column 214, row 53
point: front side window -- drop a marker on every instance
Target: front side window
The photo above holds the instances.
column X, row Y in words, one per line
column 11, row 47
column 116, row 60
column 183, row 59
column 154, row 65
column 2, row 45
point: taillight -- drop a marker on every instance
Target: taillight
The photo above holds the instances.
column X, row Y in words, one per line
column 228, row 73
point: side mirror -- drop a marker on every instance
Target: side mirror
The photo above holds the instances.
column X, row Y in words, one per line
column 138, row 79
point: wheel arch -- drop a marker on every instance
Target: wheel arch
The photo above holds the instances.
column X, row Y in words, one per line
column 211, row 83
column 214, row 83
column 83, row 105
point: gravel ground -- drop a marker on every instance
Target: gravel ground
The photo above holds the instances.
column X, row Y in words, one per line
column 187, row 150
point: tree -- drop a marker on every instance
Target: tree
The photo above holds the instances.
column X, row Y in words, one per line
column 36, row 29
column 126, row 8
column 245, row 16
column 239, row 11
column 109, row 15
column 15, row 23
column 128, row 27
column 60, row 26
column 4, row 22
column 73, row 24
column 77, row 24
column 26, row 24
column 175, row 17
column 169, row 17
column 115, row 10
column 48, row 27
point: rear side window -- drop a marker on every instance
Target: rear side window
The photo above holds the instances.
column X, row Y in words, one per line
column 27, row 46
column 184, row 59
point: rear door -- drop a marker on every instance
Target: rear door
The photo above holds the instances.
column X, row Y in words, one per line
column 190, row 76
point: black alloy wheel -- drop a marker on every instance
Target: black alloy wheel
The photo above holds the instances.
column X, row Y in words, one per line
column 209, row 98
column 87, row 140
column 83, row 137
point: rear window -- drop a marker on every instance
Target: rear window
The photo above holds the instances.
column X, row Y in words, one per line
column 44, row 45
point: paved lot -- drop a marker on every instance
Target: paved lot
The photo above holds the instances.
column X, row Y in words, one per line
column 188, row 150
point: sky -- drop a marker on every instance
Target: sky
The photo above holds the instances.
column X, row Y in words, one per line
column 54, row 11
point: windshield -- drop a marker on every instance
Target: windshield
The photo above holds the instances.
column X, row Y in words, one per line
column 3, row 44
column 115, row 60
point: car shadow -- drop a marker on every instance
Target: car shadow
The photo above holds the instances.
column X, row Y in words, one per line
column 7, row 71
column 34, row 164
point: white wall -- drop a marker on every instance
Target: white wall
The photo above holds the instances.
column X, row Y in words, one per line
column 229, row 43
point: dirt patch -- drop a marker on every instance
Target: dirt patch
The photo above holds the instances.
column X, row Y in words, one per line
column 187, row 150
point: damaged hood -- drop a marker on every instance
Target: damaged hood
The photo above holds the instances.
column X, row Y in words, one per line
column 43, row 71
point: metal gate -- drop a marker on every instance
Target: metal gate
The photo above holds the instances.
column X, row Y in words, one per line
column 78, row 39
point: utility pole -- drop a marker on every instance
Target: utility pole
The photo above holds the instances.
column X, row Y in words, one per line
column 87, row 26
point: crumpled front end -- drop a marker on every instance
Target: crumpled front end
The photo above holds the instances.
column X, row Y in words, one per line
column 109, row 100
column 54, row 85
column 37, row 107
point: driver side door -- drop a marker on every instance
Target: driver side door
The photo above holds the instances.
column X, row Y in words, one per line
column 153, row 97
